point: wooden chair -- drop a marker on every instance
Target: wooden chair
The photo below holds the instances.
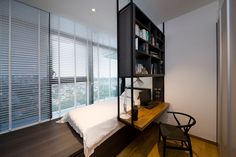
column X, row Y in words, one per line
column 177, row 134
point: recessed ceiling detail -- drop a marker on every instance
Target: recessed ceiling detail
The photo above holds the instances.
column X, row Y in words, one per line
column 80, row 10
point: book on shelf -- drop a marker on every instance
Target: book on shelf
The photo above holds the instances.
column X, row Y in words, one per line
column 142, row 33
column 136, row 43
column 142, row 47
column 154, row 68
column 137, row 30
column 146, row 48
column 152, row 40
column 151, row 69
column 157, row 45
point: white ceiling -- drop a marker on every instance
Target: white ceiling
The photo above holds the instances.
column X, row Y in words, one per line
column 105, row 16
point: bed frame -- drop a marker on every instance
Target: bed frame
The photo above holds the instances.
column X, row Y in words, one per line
column 60, row 140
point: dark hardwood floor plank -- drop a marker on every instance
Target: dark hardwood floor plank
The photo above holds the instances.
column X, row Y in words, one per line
column 46, row 139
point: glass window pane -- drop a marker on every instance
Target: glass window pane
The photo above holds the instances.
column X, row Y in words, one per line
column 67, row 68
column 113, row 77
column 55, row 51
column 95, row 73
column 55, row 97
column 66, row 95
column 81, row 93
column 81, row 59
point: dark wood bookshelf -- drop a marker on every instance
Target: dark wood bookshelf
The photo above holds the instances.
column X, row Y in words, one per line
column 141, row 49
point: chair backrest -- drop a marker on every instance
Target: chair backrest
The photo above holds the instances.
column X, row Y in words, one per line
column 190, row 122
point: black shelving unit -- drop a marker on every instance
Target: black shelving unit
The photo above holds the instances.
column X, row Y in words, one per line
column 141, row 52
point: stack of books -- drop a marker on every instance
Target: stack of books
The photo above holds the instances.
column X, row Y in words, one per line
column 142, row 33
column 141, row 46
column 154, row 68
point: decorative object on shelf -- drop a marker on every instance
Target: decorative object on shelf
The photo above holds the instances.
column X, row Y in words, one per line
column 157, row 94
column 161, row 67
column 140, row 69
column 127, row 95
column 135, row 113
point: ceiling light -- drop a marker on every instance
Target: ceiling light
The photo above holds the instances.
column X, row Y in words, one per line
column 93, row 10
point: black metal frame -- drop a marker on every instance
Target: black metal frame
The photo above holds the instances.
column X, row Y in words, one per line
column 131, row 55
column 118, row 82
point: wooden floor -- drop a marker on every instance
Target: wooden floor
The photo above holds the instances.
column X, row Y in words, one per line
column 146, row 145
column 51, row 139
column 60, row 140
column 46, row 139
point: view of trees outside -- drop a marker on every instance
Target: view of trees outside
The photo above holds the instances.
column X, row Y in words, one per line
column 68, row 95
column 102, row 88
column 68, row 91
column 105, row 73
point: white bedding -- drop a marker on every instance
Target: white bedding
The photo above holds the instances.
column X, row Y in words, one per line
column 95, row 123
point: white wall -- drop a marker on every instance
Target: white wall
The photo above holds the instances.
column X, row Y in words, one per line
column 190, row 80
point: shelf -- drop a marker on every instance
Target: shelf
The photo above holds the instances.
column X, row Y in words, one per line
column 143, row 40
column 160, row 40
column 141, row 25
column 157, row 58
column 158, row 75
column 141, row 54
column 149, row 75
column 142, row 75
column 154, row 47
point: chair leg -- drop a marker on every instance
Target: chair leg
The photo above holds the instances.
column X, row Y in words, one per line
column 159, row 138
column 164, row 146
column 159, row 132
column 190, row 147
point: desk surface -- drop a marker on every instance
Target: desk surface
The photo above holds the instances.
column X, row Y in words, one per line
column 146, row 116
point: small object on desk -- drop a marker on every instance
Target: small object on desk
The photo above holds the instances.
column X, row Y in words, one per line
column 135, row 113
column 150, row 105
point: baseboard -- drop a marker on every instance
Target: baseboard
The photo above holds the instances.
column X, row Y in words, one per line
column 203, row 139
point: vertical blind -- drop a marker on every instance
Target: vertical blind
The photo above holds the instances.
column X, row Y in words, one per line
column 4, row 79
column 83, row 63
column 69, row 64
column 105, row 69
column 24, row 65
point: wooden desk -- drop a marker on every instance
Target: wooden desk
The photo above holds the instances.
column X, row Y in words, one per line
column 146, row 116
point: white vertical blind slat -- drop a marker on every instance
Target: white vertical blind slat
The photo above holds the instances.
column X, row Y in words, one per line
column 4, row 65
column 26, row 65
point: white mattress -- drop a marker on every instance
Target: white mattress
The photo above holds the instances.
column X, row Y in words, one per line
column 95, row 123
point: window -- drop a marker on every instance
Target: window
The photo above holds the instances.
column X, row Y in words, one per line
column 24, row 65
column 105, row 73
column 69, row 58
column 74, row 81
